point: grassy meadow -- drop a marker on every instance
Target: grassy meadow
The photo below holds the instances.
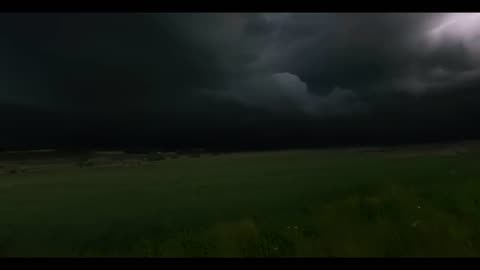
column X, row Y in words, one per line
column 410, row 201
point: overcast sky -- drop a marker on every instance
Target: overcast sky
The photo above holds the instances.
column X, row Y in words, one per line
column 238, row 79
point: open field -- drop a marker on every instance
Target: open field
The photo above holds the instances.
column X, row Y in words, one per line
column 418, row 201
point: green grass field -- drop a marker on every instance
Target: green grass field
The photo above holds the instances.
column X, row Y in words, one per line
column 290, row 203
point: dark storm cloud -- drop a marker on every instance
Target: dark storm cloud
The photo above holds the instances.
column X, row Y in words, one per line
column 102, row 60
column 368, row 54
column 177, row 73
column 359, row 50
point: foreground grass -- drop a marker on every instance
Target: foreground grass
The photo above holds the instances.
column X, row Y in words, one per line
column 295, row 203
